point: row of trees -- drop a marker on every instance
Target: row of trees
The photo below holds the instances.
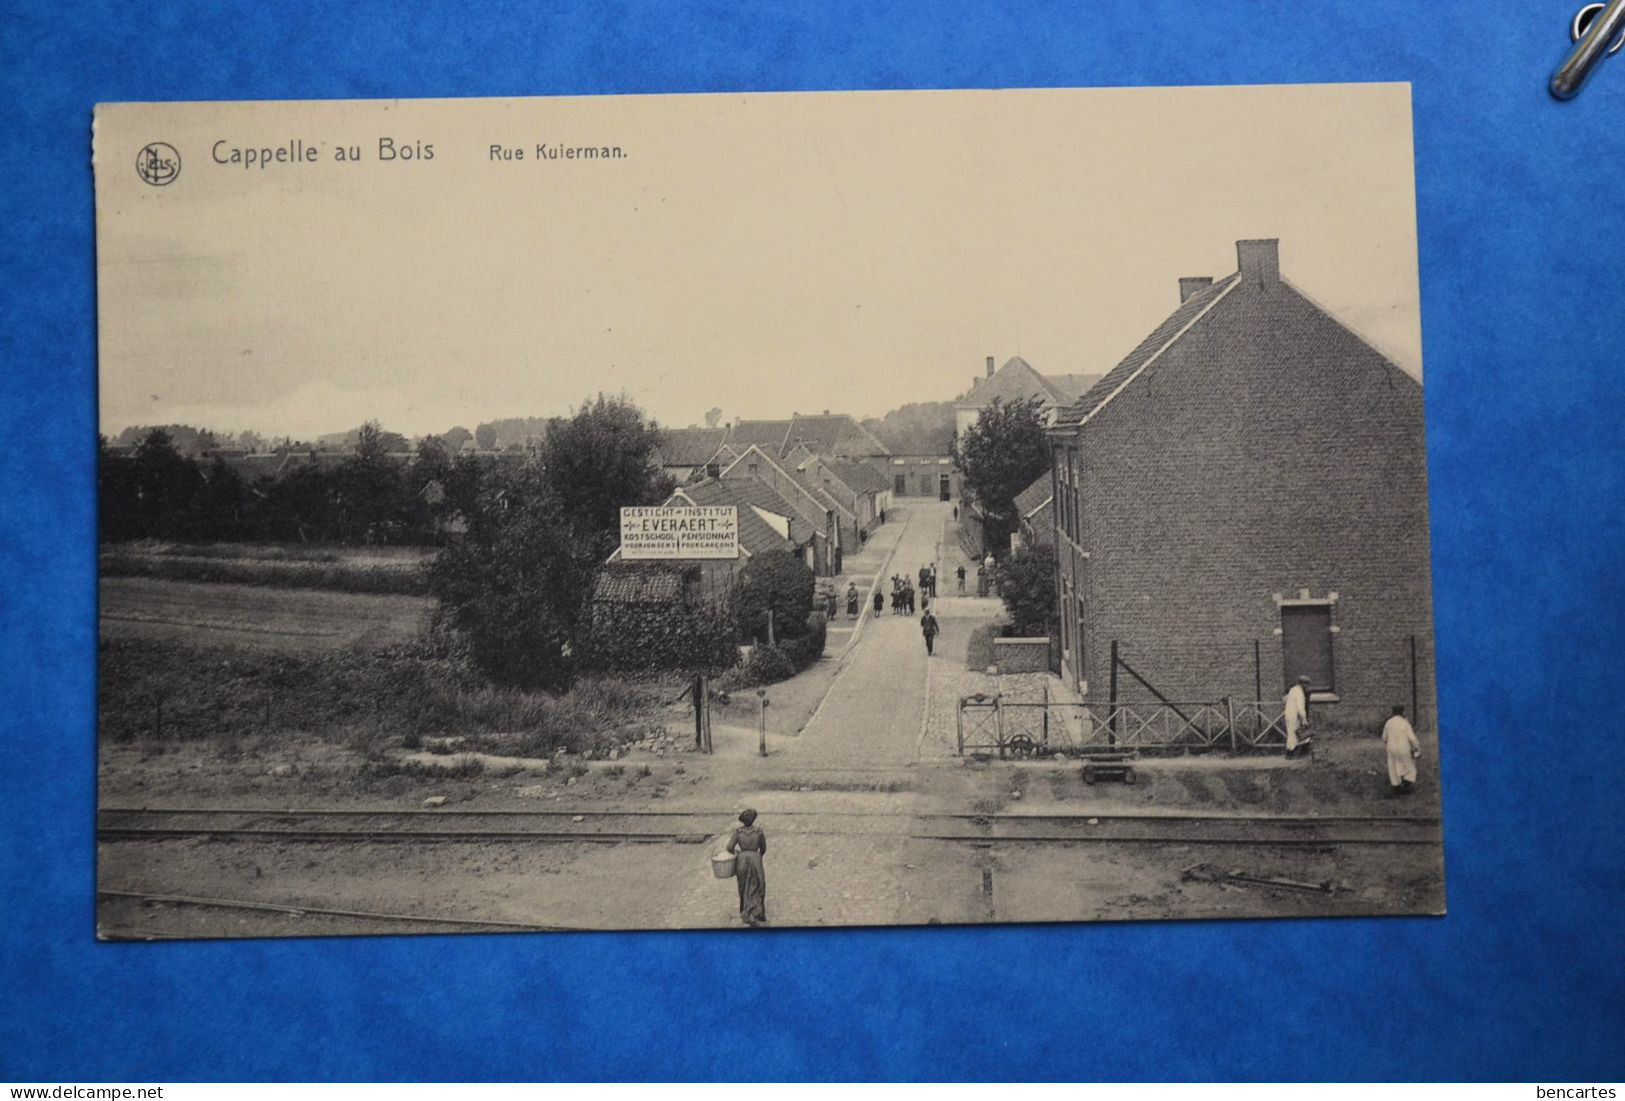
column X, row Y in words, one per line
column 513, row 433
column 517, row 583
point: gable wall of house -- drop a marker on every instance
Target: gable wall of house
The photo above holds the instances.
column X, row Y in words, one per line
column 1267, row 452
column 862, row 505
column 921, row 475
column 752, row 464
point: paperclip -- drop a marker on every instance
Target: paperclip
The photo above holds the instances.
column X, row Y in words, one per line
column 1598, row 42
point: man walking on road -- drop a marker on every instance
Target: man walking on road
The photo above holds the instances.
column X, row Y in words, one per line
column 928, row 628
column 960, row 574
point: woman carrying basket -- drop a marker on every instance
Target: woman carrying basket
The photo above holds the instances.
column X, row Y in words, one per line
column 749, row 844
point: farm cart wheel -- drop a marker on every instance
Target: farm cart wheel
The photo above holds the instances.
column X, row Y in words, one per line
column 1128, row 776
column 1021, row 745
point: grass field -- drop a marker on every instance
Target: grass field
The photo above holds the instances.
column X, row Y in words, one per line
column 279, row 552
column 394, row 570
column 258, row 617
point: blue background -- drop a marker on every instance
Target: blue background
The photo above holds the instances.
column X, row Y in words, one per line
column 1523, row 272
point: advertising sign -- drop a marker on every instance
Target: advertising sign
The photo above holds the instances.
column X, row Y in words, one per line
column 710, row 531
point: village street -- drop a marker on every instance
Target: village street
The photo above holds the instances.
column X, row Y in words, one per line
column 859, row 788
column 874, row 714
column 844, row 792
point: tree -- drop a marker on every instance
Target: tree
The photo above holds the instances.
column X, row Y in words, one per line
column 432, row 463
column 374, row 441
column 302, row 505
column 166, row 486
column 221, row 503
column 601, row 459
column 519, row 583
column 375, row 504
column 485, row 437
column 1000, row 455
column 713, row 416
column 455, row 439
column 516, row 586
column 779, row 581
column 116, row 499
column 1027, row 583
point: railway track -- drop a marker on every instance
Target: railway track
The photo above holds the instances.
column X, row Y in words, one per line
column 609, row 827
column 149, row 898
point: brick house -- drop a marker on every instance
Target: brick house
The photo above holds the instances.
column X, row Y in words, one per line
column 766, row 523
column 858, row 493
column 1243, row 499
column 684, row 453
column 1034, row 515
column 813, row 507
column 1016, row 381
column 920, row 461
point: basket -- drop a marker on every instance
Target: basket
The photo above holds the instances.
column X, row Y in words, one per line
column 723, row 865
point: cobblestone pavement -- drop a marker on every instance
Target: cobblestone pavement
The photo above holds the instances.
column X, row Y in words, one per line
column 874, row 712
column 862, row 569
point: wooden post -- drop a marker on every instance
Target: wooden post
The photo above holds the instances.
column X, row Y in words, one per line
column 1230, row 721
column 761, row 694
column 697, row 698
column 959, row 724
column 1416, row 714
column 705, row 712
column 1111, row 723
column 998, row 722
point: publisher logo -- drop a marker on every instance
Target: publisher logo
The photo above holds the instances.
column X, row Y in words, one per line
column 158, row 163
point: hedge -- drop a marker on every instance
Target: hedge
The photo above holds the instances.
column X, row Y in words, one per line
column 638, row 638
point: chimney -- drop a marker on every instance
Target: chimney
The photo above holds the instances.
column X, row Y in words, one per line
column 1259, row 261
column 989, row 366
column 1191, row 284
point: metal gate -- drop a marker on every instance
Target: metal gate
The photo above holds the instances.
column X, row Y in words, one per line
column 1026, row 728
column 1008, row 727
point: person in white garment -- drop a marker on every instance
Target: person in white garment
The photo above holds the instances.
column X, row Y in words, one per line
column 1399, row 740
column 1296, row 717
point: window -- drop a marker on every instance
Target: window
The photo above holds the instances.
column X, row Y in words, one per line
column 1306, row 645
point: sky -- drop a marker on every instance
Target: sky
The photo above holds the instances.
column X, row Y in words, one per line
column 765, row 254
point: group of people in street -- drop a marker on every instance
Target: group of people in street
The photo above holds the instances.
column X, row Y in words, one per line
column 903, row 595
